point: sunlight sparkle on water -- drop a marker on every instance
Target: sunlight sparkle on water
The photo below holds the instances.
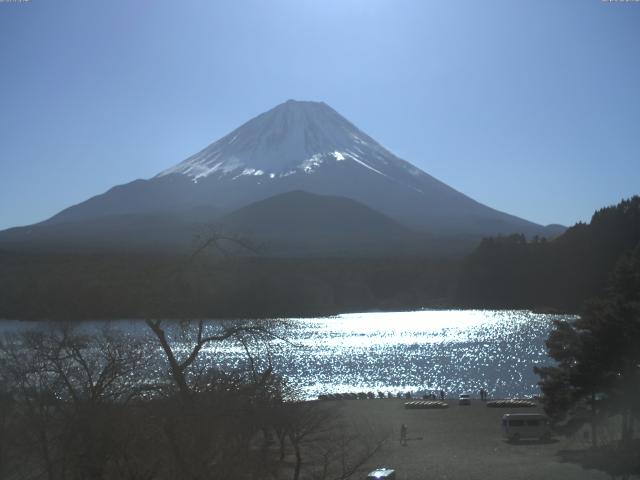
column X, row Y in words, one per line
column 416, row 351
column 455, row 350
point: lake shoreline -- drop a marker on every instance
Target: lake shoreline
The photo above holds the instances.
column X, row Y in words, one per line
column 538, row 310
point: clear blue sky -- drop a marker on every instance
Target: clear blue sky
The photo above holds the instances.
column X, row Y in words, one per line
column 531, row 107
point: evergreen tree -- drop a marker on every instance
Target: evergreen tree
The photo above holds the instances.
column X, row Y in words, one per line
column 598, row 355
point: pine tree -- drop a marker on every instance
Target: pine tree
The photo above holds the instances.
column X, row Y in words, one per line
column 598, row 355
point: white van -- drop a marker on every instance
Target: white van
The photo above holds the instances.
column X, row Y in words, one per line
column 516, row 426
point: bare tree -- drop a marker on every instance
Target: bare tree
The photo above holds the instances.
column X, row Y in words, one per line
column 306, row 421
column 326, row 445
column 7, row 408
column 202, row 334
column 70, row 389
column 346, row 449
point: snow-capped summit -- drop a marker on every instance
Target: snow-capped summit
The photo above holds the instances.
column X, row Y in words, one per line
column 295, row 137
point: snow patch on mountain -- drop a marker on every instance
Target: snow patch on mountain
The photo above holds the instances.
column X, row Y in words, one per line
column 360, row 162
column 292, row 138
column 311, row 164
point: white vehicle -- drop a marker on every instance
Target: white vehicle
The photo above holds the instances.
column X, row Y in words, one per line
column 465, row 399
column 517, row 426
column 385, row 473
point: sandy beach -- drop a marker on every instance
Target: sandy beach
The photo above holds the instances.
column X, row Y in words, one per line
column 463, row 442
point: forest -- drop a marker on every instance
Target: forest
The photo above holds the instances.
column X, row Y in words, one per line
column 561, row 274
column 510, row 272
column 107, row 286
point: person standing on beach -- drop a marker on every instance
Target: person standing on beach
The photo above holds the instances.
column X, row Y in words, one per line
column 442, row 395
column 403, row 435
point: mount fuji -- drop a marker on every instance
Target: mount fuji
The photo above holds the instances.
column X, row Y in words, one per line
column 298, row 146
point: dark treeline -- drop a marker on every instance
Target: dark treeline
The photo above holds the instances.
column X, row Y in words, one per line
column 513, row 272
column 503, row 272
column 101, row 286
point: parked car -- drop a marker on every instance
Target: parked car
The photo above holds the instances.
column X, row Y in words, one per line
column 382, row 472
column 465, row 399
column 517, row 426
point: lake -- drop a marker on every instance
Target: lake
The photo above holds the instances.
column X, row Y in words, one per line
column 452, row 350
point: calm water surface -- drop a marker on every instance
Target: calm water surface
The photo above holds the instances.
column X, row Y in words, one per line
column 456, row 350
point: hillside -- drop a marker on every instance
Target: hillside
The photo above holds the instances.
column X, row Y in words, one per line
column 513, row 272
column 300, row 223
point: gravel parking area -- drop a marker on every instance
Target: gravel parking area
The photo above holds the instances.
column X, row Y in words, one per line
column 464, row 442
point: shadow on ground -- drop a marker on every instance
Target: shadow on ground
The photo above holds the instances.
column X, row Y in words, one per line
column 621, row 462
column 533, row 441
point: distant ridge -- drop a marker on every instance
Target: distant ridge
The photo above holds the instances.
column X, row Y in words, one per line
column 301, row 223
